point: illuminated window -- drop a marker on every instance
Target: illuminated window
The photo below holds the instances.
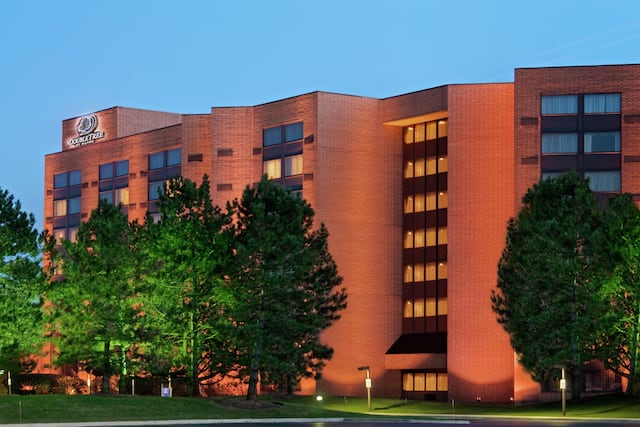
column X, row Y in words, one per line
column 408, row 309
column 293, row 165
column 443, row 164
column 425, row 381
column 442, row 306
column 408, row 204
column 60, row 207
column 419, row 239
column 431, row 131
column 419, row 132
column 272, row 168
column 431, row 307
column 408, row 135
column 418, row 203
column 114, row 179
column 418, row 308
column 419, row 168
column 408, row 170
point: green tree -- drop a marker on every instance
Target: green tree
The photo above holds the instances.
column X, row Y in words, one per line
column 21, row 282
column 547, row 278
column 93, row 310
column 285, row 286
column 186, row 292
column 620, row 326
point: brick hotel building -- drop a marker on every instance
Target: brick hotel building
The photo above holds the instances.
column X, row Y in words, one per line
column 416, row 191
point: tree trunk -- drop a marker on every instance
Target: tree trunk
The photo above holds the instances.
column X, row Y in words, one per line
column 632, row 387
column 106, row 367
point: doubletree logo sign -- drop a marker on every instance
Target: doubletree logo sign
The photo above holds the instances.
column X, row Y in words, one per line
column 87, row 132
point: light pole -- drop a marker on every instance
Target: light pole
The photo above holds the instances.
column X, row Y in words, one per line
column 367, row 384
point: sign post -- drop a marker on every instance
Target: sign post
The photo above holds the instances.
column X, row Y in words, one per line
column 563, row 387
column 367, row 384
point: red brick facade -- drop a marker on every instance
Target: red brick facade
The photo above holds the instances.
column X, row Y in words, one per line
column 353, row 159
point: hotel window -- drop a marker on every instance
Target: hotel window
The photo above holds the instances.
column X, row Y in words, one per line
column 559, row 143
column 559, row 104
column 114, row 182
column 604, row 181
column 602, row 142
column 282, row 134
column 420, row 237
column 282, row 155
column 163, row 166
column 272, row 168
column 420, row 272
column 66, row 204
column 293, row 165
column 602, row 103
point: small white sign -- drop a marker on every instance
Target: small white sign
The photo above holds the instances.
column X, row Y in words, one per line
column 367, row 382
column 563, row 384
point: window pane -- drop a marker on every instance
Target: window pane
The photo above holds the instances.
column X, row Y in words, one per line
column 419, row 382
column 431, row 201
column 605, row 181
column 442, row 306
column 419, row 239
column 560, row 104
column 443, row 381
column 272, row 136
column 407, row 382
column 293, row 165
column 418, row 203
column 293, row 132
column 174, row 157
column 418, row 272
column 442, row 270
column 408, row 204
column 431, row 166
column 442, row 236
column 559, row 143
column 74, row 178
column 408, row 309
column 156, row 160
column 408, row 170
column 443, row 200
column 431, row 271
column 431, row 307
column 432, row 131
column 122, row 168
column 431, row 381
column 60, row 180
column 602, row 103
column 443, row 128
column 408, row 135
column 107, row 195
column 419, row 134
column 121, row 196
column 408, row 274
column 60, row 207
column 602, row 142
column 106, row 171
column 272, row 168
column 431, row 236
column 443, row 164
column 155, row 188
column 74, row 205
column 418, row 308
column 419, row 168
column 60, row 235
column 408, row 239
column 73, row 234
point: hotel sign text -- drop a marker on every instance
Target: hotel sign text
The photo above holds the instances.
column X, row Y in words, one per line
column 87, row 132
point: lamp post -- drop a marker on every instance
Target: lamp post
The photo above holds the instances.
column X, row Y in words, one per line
column 367, row 384
column 563, row 387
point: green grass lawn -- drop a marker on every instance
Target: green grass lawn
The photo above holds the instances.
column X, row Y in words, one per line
column 62, row 408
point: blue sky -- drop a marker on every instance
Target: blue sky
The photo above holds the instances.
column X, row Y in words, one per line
column 61, row 59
